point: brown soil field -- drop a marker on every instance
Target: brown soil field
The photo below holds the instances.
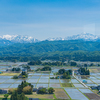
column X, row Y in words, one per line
column 92, row 96
column 60, row 94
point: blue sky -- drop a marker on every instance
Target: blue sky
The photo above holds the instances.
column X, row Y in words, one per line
column 49, row 18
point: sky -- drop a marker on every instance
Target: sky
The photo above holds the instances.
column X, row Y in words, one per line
column 43, row 19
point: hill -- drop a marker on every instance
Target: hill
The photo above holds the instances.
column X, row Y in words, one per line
column 69, row 49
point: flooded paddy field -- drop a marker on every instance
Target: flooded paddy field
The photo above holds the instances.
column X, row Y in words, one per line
column 75, row 94
column 77, row 91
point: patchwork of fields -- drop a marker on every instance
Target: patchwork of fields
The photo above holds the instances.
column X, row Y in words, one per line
column 64, row 88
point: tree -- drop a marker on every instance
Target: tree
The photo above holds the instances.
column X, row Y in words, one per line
column 91, row 64
column 18, row 69
column 85, row 65
column 13, row 69
column 22, row 96
column 61, row 71
column 6, row 96
column 14, row 96
column 23, row 85
column 38, row 62
column 70, row 72
column 73, row 63
column 10, row 91
column 46, row 69
column 20, row 89
column 51, row 90
column 66, row 75
column 84, row 71
column 28, row 90
column 24, row 74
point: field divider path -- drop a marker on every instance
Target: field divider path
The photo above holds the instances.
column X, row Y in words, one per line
column 82, row 93
column 4, row 81
column 60, row 82
column 85, row 85
column 38, row 79
column 12, row 83
column 72, row 84
column 49, row 80
column 92, row 81
column 67, row 94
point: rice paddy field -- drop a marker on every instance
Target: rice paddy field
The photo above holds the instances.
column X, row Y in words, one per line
column 64, row 88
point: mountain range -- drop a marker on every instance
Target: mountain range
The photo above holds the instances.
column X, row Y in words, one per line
column 82, row 36
column 11, row 39
column 83, row 47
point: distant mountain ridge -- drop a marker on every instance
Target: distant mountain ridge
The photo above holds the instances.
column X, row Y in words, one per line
column 18, row 38
column 11, row 39
column 82, row 36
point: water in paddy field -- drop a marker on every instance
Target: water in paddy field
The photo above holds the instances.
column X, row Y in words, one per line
column 75, row 94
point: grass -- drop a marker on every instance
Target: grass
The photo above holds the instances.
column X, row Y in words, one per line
column 42, row 96
column 2, row 96
column 5, row 99
column 46, row 99
column 54, row 96
column 67, row 85
column 9, row 74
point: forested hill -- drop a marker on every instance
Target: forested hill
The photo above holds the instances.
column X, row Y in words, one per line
column 71, row 49
column 49, row 46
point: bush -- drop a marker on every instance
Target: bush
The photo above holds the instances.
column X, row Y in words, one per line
column 51, row 90
column 6, row 95
column 42, row 91
column 57, row 77
column 15, row 77
column 23, row 76
column 51, row 77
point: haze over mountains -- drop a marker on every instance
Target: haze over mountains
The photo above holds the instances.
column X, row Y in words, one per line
column 11, row 39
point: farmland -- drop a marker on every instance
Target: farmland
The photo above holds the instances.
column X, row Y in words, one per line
column 64, row 88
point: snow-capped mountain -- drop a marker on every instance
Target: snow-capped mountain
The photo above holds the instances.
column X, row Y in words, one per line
column 82, row 36
column 18, row 38
column 11, row 39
